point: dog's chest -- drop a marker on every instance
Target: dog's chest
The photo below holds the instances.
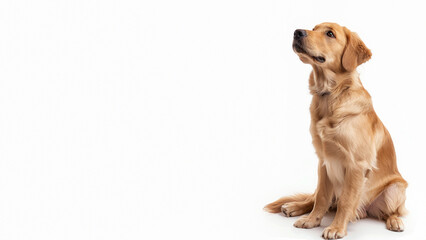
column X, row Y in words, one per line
column 336, row 174
column 325, row 127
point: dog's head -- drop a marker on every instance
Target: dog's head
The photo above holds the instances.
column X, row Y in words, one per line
column 331, row 46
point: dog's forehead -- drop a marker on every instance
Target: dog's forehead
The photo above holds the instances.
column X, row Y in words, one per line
column 327, row 25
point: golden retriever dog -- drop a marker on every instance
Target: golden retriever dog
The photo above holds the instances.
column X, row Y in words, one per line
column 357, row 171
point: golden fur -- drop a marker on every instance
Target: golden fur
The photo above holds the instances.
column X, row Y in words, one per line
column 357, row 171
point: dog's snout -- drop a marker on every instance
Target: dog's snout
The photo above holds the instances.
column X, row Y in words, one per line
column 299, row 33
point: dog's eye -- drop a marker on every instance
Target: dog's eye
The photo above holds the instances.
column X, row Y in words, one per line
column 330, row 34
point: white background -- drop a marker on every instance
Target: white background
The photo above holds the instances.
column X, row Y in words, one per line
column 182, row 119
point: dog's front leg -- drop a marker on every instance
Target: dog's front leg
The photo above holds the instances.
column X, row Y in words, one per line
column 323, row 196
column 347, row 203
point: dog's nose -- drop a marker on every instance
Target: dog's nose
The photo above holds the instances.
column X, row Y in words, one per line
column 299, row 33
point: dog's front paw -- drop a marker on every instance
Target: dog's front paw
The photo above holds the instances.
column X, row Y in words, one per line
column 333, row 232
column 307, row 222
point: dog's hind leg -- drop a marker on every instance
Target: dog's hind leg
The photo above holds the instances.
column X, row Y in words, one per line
column 390, row 205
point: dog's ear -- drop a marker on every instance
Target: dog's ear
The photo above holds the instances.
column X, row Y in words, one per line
column 355, row 53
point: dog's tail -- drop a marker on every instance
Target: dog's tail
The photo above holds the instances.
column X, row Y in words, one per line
column 275, row 207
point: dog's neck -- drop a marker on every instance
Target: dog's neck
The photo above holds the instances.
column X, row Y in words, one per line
column 324, row 82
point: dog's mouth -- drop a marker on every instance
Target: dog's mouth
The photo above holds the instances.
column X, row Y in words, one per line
column 319, row 59
column 299, row 49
